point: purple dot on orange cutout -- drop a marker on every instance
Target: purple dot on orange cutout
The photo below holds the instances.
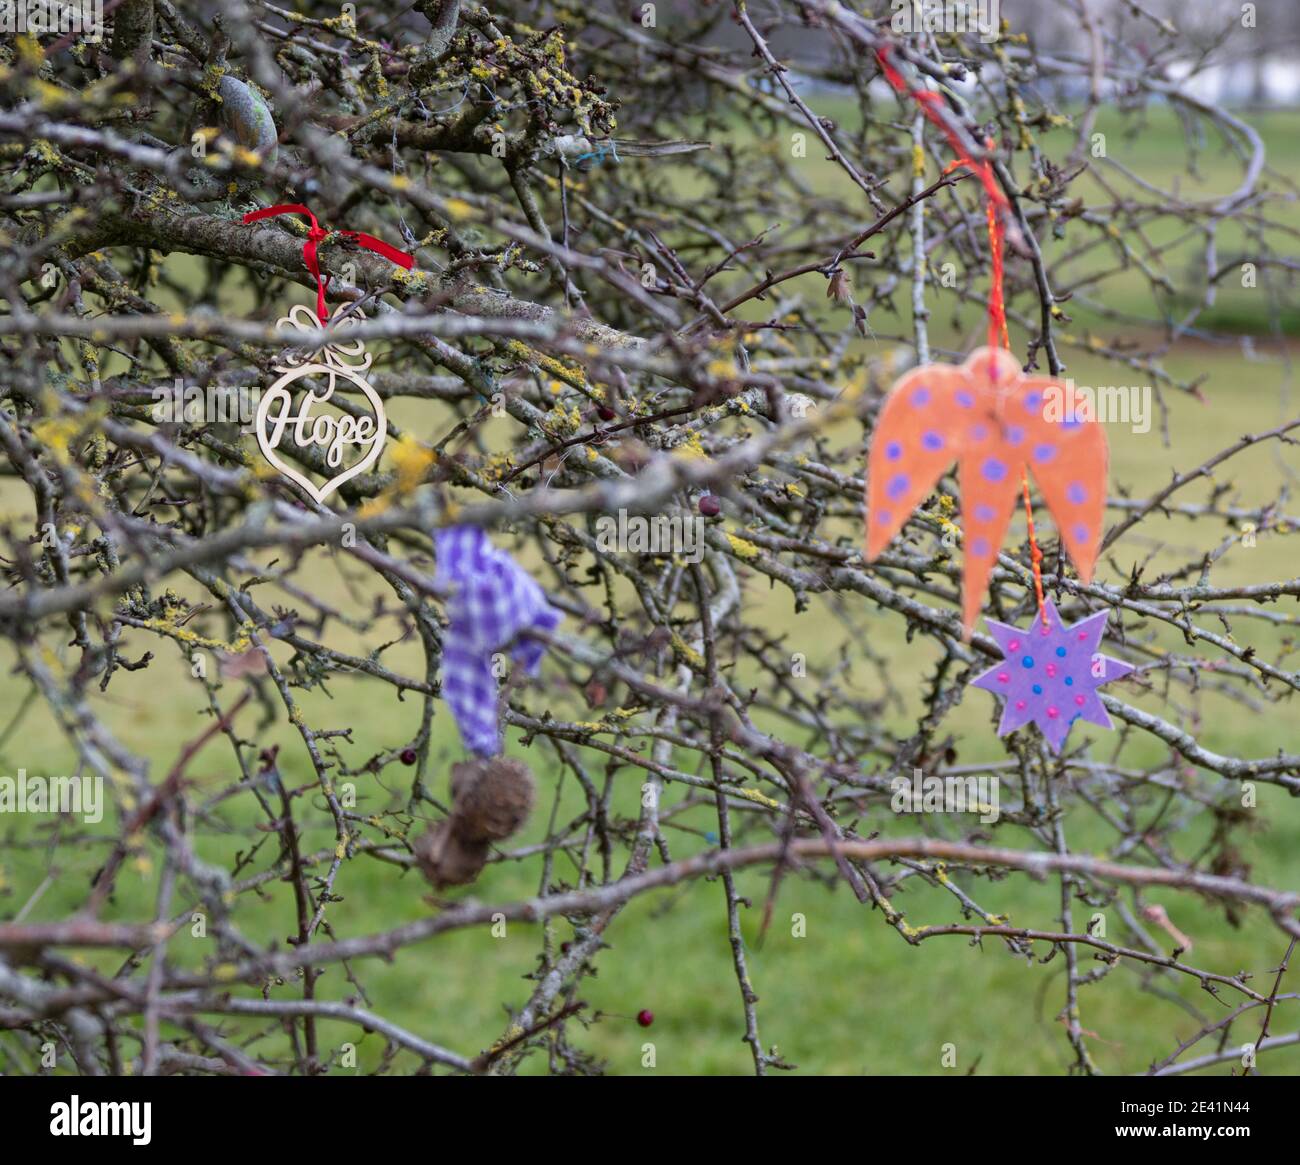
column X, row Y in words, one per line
column 1077, row 493
column 984, row 512
column 884, row 517
column 1033, row 400
column 993, row 469
column 893, row 451
column 1015, row 434
column 897, row 486
column 1004, row 677
column 1079, row 700
column 921, row 397
column 980, row 547
column 932, row 440
column 965, row 399
column 1044, row 452
column 1080, row 532
column 980, row 432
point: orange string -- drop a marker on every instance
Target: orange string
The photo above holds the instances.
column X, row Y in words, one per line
column 930, row 102
column 996, row 204
column 1035, row 554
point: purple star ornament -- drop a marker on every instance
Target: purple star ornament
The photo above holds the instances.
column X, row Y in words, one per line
column 1050, row 674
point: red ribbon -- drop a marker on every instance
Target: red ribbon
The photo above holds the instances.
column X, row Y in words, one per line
column 315, row 234
column 930, row 102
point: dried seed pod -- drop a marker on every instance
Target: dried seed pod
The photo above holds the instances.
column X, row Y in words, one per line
column 492, row 797
column 447, row 859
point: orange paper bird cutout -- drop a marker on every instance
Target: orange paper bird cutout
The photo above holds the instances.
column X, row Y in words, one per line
column 994, row 421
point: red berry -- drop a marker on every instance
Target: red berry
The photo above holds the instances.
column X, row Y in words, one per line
column 710, row 507
column 409, row 756
column 645, row 1017
column 605, row 413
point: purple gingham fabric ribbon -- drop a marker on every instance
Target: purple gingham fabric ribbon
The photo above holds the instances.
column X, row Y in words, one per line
column 492, row 600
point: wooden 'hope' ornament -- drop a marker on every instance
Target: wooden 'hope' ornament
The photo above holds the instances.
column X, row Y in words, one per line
column 311, row 361
column 330, row 359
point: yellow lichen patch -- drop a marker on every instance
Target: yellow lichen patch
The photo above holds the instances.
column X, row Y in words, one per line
column 691, row 449
column 57, row 434
column 759, row 798
column 742, row 547
column 373, row 507
column 685, row 652
column 412, row 461
column 458, row 210
column 168, row 627
column 30, row 52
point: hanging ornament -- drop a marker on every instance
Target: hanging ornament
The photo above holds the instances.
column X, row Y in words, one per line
column 320, row 354
column 991, row 419
column 996, row 423
column 330, row 360
column 1049, row 674
column 494, row 603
